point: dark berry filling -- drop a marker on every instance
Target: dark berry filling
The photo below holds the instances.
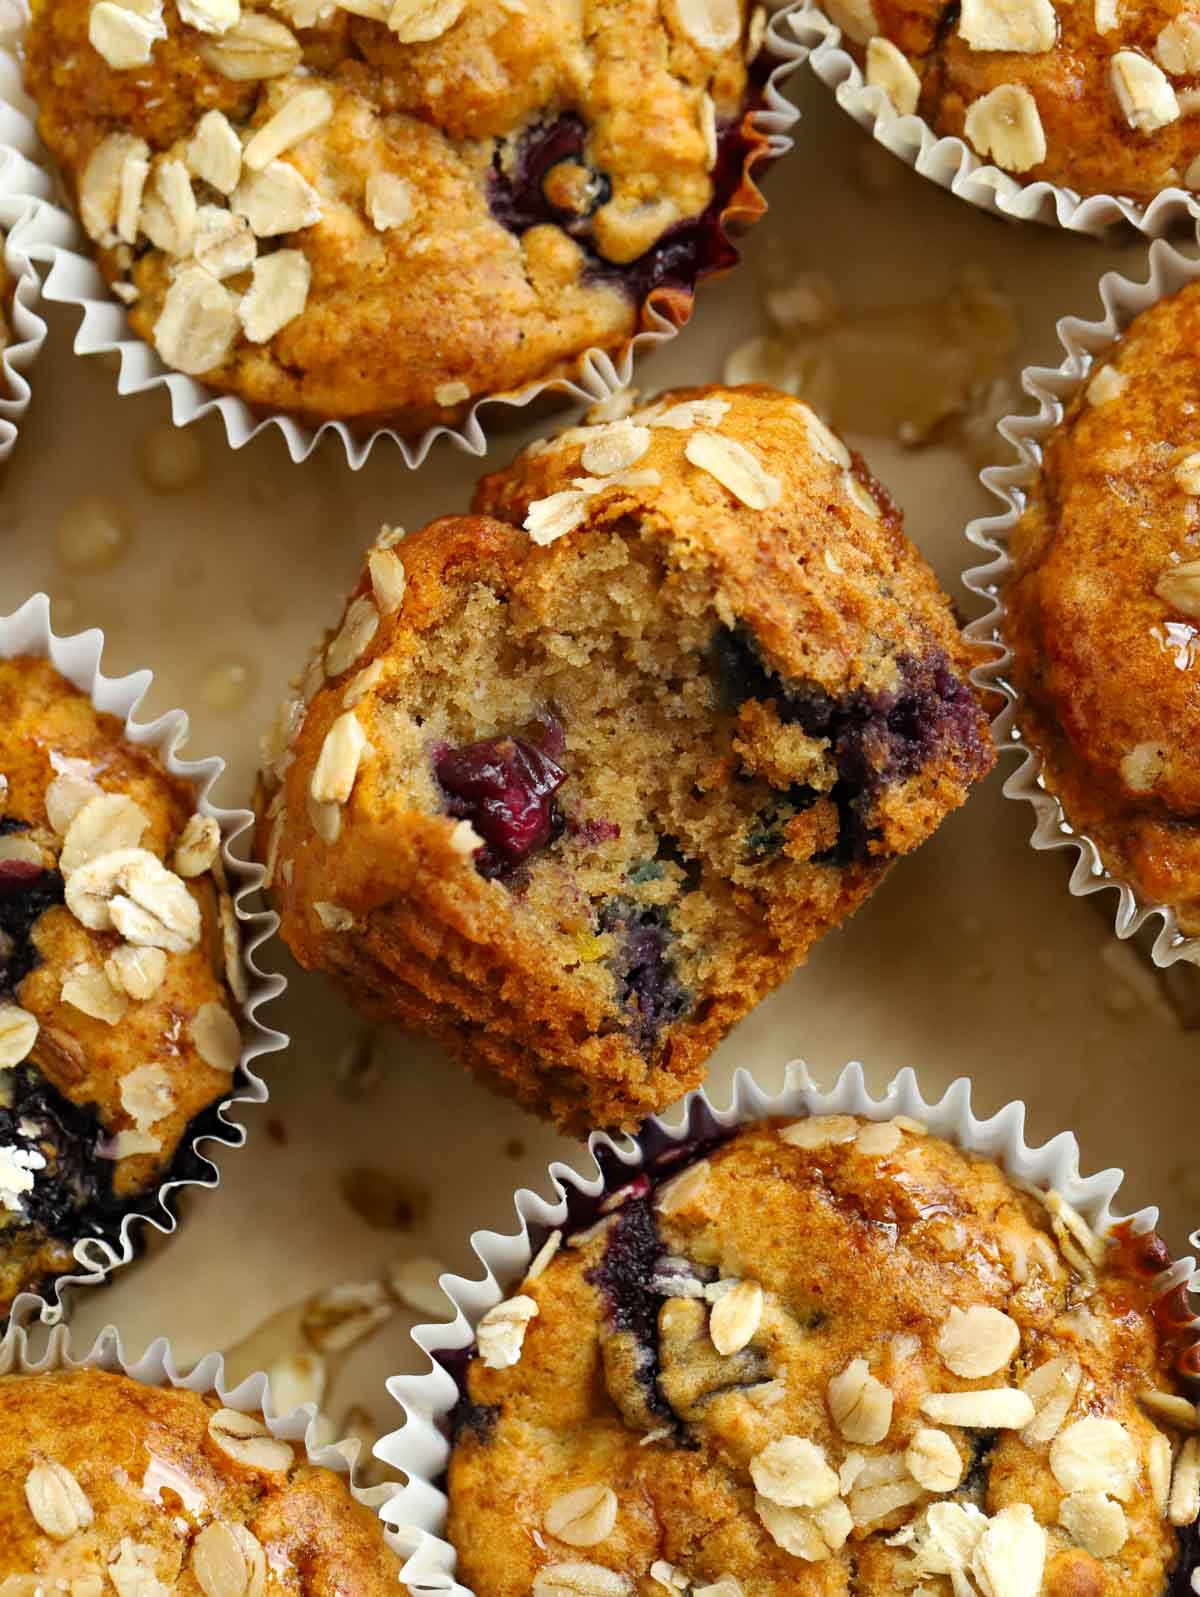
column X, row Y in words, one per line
column 877, row 738
column 551, row 180
column 647, row 984
column 505, row 787
column 1180, row 1584
column 625, row 1275
column 73, row 1179
column 474, row 1420
column 26, row 893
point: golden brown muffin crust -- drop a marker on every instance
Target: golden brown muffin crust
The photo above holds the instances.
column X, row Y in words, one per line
column 162, row 1500
column 1104, row 609
column 1060, row 76
column 427, row 268
column 768, row 1442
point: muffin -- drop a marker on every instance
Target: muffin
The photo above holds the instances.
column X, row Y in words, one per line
column 827, row 1356
column 163, row 1490
column 583, row 775
column 1103, row 609
column 381, row 211
column 1096, row 98
column 121, row 975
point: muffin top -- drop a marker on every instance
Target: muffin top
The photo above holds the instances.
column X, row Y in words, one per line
column 121, row 971
column 382, row 209
column 827, row 1356
column 1096, row 97
column 109, row 1488
column 1104, row 607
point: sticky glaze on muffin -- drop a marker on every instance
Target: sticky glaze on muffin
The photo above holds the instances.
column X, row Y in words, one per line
column 828, row 1356
column 120, row 974
column 1096, row 97
column 110, row 1486
column 381, row 210
column 1104, row 609
column 582, row 776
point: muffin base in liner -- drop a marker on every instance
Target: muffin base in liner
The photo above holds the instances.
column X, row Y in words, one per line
column 78, row 658
column 157, row 1367
column 952, row 164
column 1052, row 388
column 420, row 1449
column 51, row 237
column 23, row 188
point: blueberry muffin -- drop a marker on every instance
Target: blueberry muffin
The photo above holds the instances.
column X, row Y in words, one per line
column 827, row 1356
column 120, row 974
column 1103, row 609
column 107, row 1485
column 1097, row 98
column 583, row 775
column 380, row 210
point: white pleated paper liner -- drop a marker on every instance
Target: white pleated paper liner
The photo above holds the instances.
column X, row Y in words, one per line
column 78, row 658
column 23, row 188
column 952, row 164
column 421, row 1450
column 157, row 1367
column 53, row 239
column 1052, row 388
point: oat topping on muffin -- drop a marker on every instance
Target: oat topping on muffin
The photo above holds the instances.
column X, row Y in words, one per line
column 580, row 777
column 1097, row 97
column 120, row 974
column 111, row 1488
column 1103, row 609
column 824, row 1357
column 383, row 209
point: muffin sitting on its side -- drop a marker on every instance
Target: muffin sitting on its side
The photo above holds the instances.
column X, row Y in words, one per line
column 581, row 777
column 120, row 974
column 108, row 1486
column 828, row 1357
column 1103, row 610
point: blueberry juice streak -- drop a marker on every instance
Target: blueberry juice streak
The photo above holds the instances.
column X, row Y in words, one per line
column 551, row 163
column 505, row 788
column 877, row 738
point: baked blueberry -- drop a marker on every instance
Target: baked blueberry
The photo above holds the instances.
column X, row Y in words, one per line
column 582, row 776
column 120, row 976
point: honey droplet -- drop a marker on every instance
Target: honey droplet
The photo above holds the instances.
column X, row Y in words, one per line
column 171, row 458
column 228, row 684
column 93, row 533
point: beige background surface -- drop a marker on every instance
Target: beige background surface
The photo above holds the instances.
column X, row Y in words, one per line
column 971, row 960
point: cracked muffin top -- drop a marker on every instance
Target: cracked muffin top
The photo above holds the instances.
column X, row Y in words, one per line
column 828, row 1356
column 1096, row 97
column 120, row 973
column 110, row 1488
column 1104, row 608
column 381, row 210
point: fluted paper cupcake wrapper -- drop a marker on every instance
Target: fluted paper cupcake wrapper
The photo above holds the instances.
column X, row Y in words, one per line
column 421, row 1449
column 952, row 164
column 23, row 187
column 1052, row 388
column 50, row 237
column 157, row 1367
column 78, row 658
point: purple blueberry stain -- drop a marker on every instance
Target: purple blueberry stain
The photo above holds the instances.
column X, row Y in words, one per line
column 70, row 1183
column 26, row 893
column 877, row 738
column 549, row 179
column 648, row 986
column 625, row 1278
column 505, row 787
